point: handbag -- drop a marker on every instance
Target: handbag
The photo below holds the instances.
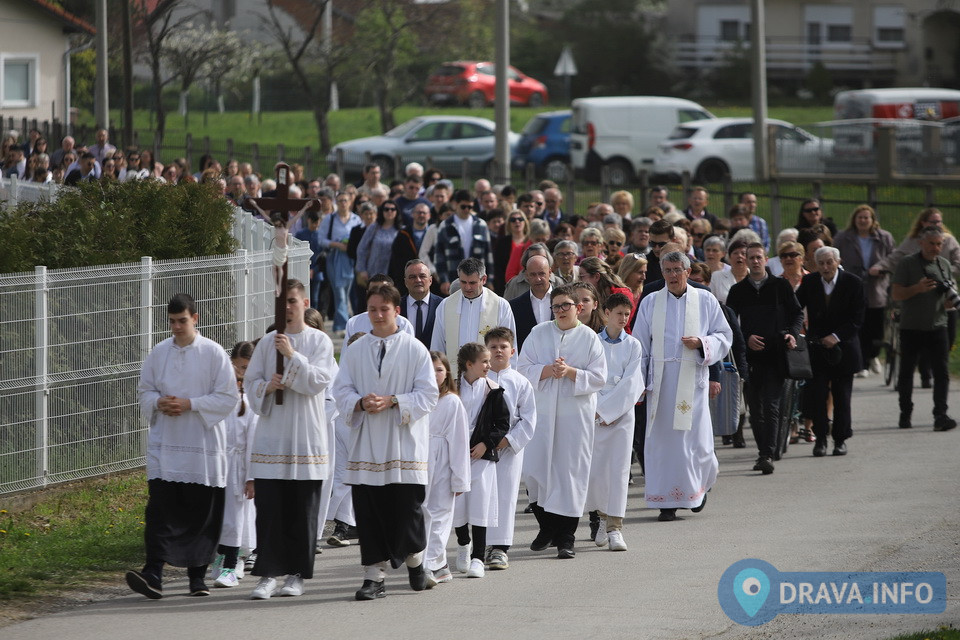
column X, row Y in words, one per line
column 797, row 360
column 725, row 408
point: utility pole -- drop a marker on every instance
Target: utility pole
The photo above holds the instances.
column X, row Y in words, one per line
column 101, row 103
column 758, row 92
column 502, row 109
column 127, row 73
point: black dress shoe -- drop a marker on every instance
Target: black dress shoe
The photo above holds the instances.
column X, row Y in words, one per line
column 905, row 420
column 541, row 542
column 566, row 553
column 702, row 505
column 756, row 465
column 840, row 448
column 418, row 578
column 820, row 449
column 667, row 515
column 144, row 584
column 594, row 525
column 943, row 422
column 766, row 466
column 727, row 439
column 371, row 590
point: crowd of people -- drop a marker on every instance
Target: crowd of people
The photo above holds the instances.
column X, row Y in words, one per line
column 493, row 340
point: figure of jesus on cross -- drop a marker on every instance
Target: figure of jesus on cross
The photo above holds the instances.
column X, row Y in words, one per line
column 280, row 206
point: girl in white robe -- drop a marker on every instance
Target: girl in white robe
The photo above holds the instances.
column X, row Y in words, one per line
column 564, row 362
column 487, row 413
column 239, row 514
column 613, row 438
column 449, row 470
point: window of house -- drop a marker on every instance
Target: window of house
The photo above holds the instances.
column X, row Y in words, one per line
column 729, row 30
column 889, row 27
column 19, row 81
column 839, row 33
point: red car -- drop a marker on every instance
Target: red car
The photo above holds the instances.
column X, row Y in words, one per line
column 474, row 84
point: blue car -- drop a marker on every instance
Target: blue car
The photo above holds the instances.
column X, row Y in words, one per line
column 545, row 142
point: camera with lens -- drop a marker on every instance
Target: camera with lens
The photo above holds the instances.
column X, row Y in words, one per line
column 948, row 288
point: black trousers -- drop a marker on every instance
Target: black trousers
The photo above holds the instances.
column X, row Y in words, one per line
column 389, row 522
column 763, row 392
column 871, row 334
column 817, row 391
column 562, row 530
column 935, row 346
column 286, row 526
column 182, row 523
column 640, row 430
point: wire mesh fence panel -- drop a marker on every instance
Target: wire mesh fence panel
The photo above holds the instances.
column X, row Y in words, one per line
column 72, row 342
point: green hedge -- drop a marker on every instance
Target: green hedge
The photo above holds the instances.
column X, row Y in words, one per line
column 100, row 223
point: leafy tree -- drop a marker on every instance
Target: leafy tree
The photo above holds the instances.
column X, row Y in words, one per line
column 83, row 73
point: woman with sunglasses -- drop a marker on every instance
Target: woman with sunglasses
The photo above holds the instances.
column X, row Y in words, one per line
column 613, row 240
column 811, row 214
column 863, row 244
column 509, row 246
column 591, row 244
column 791, row 259
column 373, row 254
column 598, row 273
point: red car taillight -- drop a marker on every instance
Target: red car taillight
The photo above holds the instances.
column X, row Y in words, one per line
column 683, row 146
column 541, row 142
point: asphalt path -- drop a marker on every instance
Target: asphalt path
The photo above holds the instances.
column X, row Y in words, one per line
column 892, row 504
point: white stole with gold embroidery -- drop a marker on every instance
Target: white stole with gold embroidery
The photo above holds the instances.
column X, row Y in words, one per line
column 489, row 318
column 687, row 382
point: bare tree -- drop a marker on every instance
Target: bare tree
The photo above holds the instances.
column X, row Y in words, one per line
column 197, row 53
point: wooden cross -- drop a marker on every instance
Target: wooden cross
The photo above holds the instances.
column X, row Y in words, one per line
column 279, row 207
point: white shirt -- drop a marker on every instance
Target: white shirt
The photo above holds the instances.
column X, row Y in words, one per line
column 541, row 308
column 828, row 286
column 465, row 229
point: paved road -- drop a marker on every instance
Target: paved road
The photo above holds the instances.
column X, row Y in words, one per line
column 891, row 504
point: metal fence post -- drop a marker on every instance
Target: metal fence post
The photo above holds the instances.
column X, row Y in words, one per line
column 146, row 306
column 776, row 218
column 42, row 358
column 242, row 275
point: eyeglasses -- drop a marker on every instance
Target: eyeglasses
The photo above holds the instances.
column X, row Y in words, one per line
column 671, row 272
column 516, row 219
column 589, row 243
column 385, row 209
column 615, row 243
column 465, row 207
column 563, row 306
column 539, row 204
column 566, row 254
column 698, row 235
column 794, row 255
column 811, row 209
column 654, row 243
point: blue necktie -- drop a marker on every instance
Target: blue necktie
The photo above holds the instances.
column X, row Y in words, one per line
column 419, row 319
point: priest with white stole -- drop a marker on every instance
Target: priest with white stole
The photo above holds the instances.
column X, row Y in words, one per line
column 564, row 362
column 187, row 389
column 385, row 390
column 289, row 459
column 467, row 314
column 682, row 331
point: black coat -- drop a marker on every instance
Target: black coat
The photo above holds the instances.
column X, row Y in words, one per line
column 493, row 423
column 769, row 312
column 843, row 316
column 523, row 317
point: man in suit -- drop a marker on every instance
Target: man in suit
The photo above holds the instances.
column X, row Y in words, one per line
column 461, row 236
column 552, row 198
column 835, row 305
column 419, row 306
column 533, row 307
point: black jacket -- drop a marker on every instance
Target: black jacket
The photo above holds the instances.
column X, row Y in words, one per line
column 770, row 312
column 843, row 316
column 493, row 423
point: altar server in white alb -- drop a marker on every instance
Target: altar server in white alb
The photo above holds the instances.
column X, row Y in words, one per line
column 682, row 331
column 290, row 456
column 360, row 322
column 239, row 516
column 613, row 440
column 386, row 390
column 449, row 470
column 467, row 314
column 564, row 362
column 518, row 393
column 187, row 388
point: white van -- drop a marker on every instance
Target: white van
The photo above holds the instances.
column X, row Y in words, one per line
column 623, row 133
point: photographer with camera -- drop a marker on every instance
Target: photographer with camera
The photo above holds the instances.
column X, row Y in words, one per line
column 923, row 284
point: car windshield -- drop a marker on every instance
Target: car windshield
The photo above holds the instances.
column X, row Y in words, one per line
column 403, row 129
column 449, row 70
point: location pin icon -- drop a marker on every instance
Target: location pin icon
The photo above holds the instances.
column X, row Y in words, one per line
column 751, row 587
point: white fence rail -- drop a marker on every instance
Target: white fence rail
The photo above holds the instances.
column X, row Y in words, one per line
column 72, row 341
column 14, row 191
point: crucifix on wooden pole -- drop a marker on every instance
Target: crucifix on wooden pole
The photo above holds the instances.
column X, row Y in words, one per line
column 280, row 205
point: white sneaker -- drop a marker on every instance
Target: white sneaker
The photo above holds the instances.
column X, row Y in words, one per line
column 431, row 580
column 616, row 541
column 292, row 586
column 476, row 569
column 862, row 374
column 463, row 557
column 601, row 538
column 216, row 568
column 264, row 589
column 226, row 579
column 442, row 575
column 875, row 366
column 250, row 561
column 239, row 569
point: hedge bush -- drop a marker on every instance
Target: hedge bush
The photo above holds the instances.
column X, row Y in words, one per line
column 98, row 223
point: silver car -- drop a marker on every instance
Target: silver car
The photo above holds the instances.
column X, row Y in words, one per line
column 442, row 142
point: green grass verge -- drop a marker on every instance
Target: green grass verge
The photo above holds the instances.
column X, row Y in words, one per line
column 942, row 633
column 73, row 536
column 296, row 129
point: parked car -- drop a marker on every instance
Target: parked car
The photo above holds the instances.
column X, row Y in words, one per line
column 474, row 84
column 437, row 141
column 712, row 149
column 622, row 133
column 545, row 143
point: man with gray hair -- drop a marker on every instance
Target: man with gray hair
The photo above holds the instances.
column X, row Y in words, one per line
column 520, row 284
column 467, row 314
column 682, row 331
column 835, row 304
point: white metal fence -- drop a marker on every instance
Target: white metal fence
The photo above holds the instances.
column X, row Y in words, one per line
column 14, row 191
column 72, row 341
